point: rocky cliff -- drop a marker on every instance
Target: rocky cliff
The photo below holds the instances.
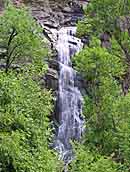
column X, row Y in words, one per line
column 52, row 14
column 55, row 13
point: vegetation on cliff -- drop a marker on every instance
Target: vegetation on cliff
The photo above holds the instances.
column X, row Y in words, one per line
column 20, row 38
column 104, row 64
column 24, row 106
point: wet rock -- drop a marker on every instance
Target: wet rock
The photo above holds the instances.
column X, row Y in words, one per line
column 51, row 79
column 67, row 10
column 85, row 40
column 54, row 64
column 69, row 101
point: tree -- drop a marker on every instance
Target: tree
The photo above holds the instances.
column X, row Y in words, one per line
column 25, row 129
column 89, row 160
column 20, row 37
column 110, row 17
column 103, row 15
column 24, row 126
column 100, row 68
column 105, row 107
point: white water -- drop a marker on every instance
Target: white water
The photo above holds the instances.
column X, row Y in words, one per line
column 69, row 97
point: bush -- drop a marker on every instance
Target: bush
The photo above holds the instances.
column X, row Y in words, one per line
column 87, row 160
column 21, row 39
column 24, row 126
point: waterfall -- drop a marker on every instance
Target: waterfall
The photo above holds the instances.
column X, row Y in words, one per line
column 69, row 97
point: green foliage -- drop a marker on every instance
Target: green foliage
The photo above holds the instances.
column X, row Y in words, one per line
column 84, row 27
column 24, row 126
column 24, row 108
column 20, row 37
column 100, row 68
column 102, row 15
column 95, row 62
column 106, row 109
column 111, row 17
column 121, row 113
column 90, row 161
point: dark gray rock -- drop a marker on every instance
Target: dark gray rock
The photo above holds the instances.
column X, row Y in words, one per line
column 85, row 40
column 55, row 13
column 51, row 79
column 54, row 64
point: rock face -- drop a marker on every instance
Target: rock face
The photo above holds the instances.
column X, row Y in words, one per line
column 52, row 14
column 55, row 13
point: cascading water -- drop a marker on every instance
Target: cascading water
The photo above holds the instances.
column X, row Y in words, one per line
column 69, row 97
